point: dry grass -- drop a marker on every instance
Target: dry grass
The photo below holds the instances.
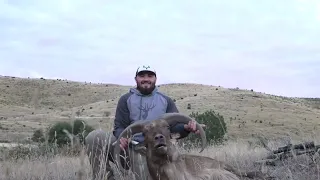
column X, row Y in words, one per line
column 30, row 104
column 240, row 154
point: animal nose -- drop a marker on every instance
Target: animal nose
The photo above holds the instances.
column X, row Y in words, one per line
column 158, row 137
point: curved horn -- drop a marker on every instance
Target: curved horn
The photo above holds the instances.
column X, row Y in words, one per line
column 131, row 129
column 174, row 118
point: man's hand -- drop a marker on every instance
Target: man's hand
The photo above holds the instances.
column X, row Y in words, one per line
column 191, row 126
column 124, row 142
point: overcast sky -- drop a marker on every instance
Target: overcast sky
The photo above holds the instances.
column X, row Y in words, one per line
column 269, row 46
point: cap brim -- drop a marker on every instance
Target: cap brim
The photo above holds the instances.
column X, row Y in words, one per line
column 150, row 71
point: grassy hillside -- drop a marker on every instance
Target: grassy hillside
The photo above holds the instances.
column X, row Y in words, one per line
column 28, row 104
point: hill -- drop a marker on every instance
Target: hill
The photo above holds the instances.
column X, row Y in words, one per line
column 28, row 104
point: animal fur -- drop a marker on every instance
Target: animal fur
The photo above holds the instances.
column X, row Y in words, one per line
column 166, row 163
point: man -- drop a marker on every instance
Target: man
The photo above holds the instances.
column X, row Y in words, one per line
column 143, row 103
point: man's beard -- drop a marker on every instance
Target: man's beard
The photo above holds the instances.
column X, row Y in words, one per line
column 146, row 91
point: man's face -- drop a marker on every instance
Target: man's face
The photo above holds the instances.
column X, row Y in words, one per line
column 146, row 82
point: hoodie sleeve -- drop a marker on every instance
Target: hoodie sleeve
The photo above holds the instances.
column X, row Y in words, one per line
column 171, row 106
column 178, row 128
column 122, row 116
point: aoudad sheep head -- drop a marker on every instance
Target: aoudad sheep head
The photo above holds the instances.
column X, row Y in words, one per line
column 157, row 134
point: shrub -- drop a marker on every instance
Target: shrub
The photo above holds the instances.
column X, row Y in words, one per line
column 38, row 136
column 79, row 129
column 106, row 113
column 57, row 135
column 215, row 127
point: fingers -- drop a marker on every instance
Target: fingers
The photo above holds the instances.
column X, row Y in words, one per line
column 193, row 125
column 123, row 143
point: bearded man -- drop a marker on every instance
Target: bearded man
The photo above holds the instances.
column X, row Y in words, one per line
column 142, row 103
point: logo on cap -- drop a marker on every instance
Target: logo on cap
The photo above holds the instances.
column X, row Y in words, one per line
column 146, row 67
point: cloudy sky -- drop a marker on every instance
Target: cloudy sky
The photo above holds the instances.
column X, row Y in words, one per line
column 269, row 46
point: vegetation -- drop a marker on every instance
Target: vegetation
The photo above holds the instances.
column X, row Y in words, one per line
column 215, row 129
column 55, row 141
column 81, row 129
column 245, row 113
column 38, row 136
column 58, row 133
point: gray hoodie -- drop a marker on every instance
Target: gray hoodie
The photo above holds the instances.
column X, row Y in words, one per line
column 134, row 106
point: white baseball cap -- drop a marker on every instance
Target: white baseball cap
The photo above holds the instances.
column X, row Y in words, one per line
column 145, row 68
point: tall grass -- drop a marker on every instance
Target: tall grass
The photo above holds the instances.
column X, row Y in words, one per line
column 69, row 164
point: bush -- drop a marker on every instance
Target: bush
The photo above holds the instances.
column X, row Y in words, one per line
column 215, row 127
column 38, row 136
column 57, row 135
column 79, row 129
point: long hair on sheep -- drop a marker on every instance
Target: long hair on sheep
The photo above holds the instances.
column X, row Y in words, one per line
column 166, row 163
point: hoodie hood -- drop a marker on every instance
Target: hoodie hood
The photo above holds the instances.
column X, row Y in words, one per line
column 137, row 92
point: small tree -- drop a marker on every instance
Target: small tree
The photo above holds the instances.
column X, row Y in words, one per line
column 78, row 128
column 215, row 127
column 57, row 135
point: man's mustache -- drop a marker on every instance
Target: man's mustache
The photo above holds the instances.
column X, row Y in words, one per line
column 143, row 82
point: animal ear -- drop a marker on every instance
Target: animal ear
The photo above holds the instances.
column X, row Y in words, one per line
column 146, row 129
column 175, row 135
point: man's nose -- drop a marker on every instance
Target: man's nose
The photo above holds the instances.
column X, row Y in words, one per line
column 144, row 78
column 158, row 137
